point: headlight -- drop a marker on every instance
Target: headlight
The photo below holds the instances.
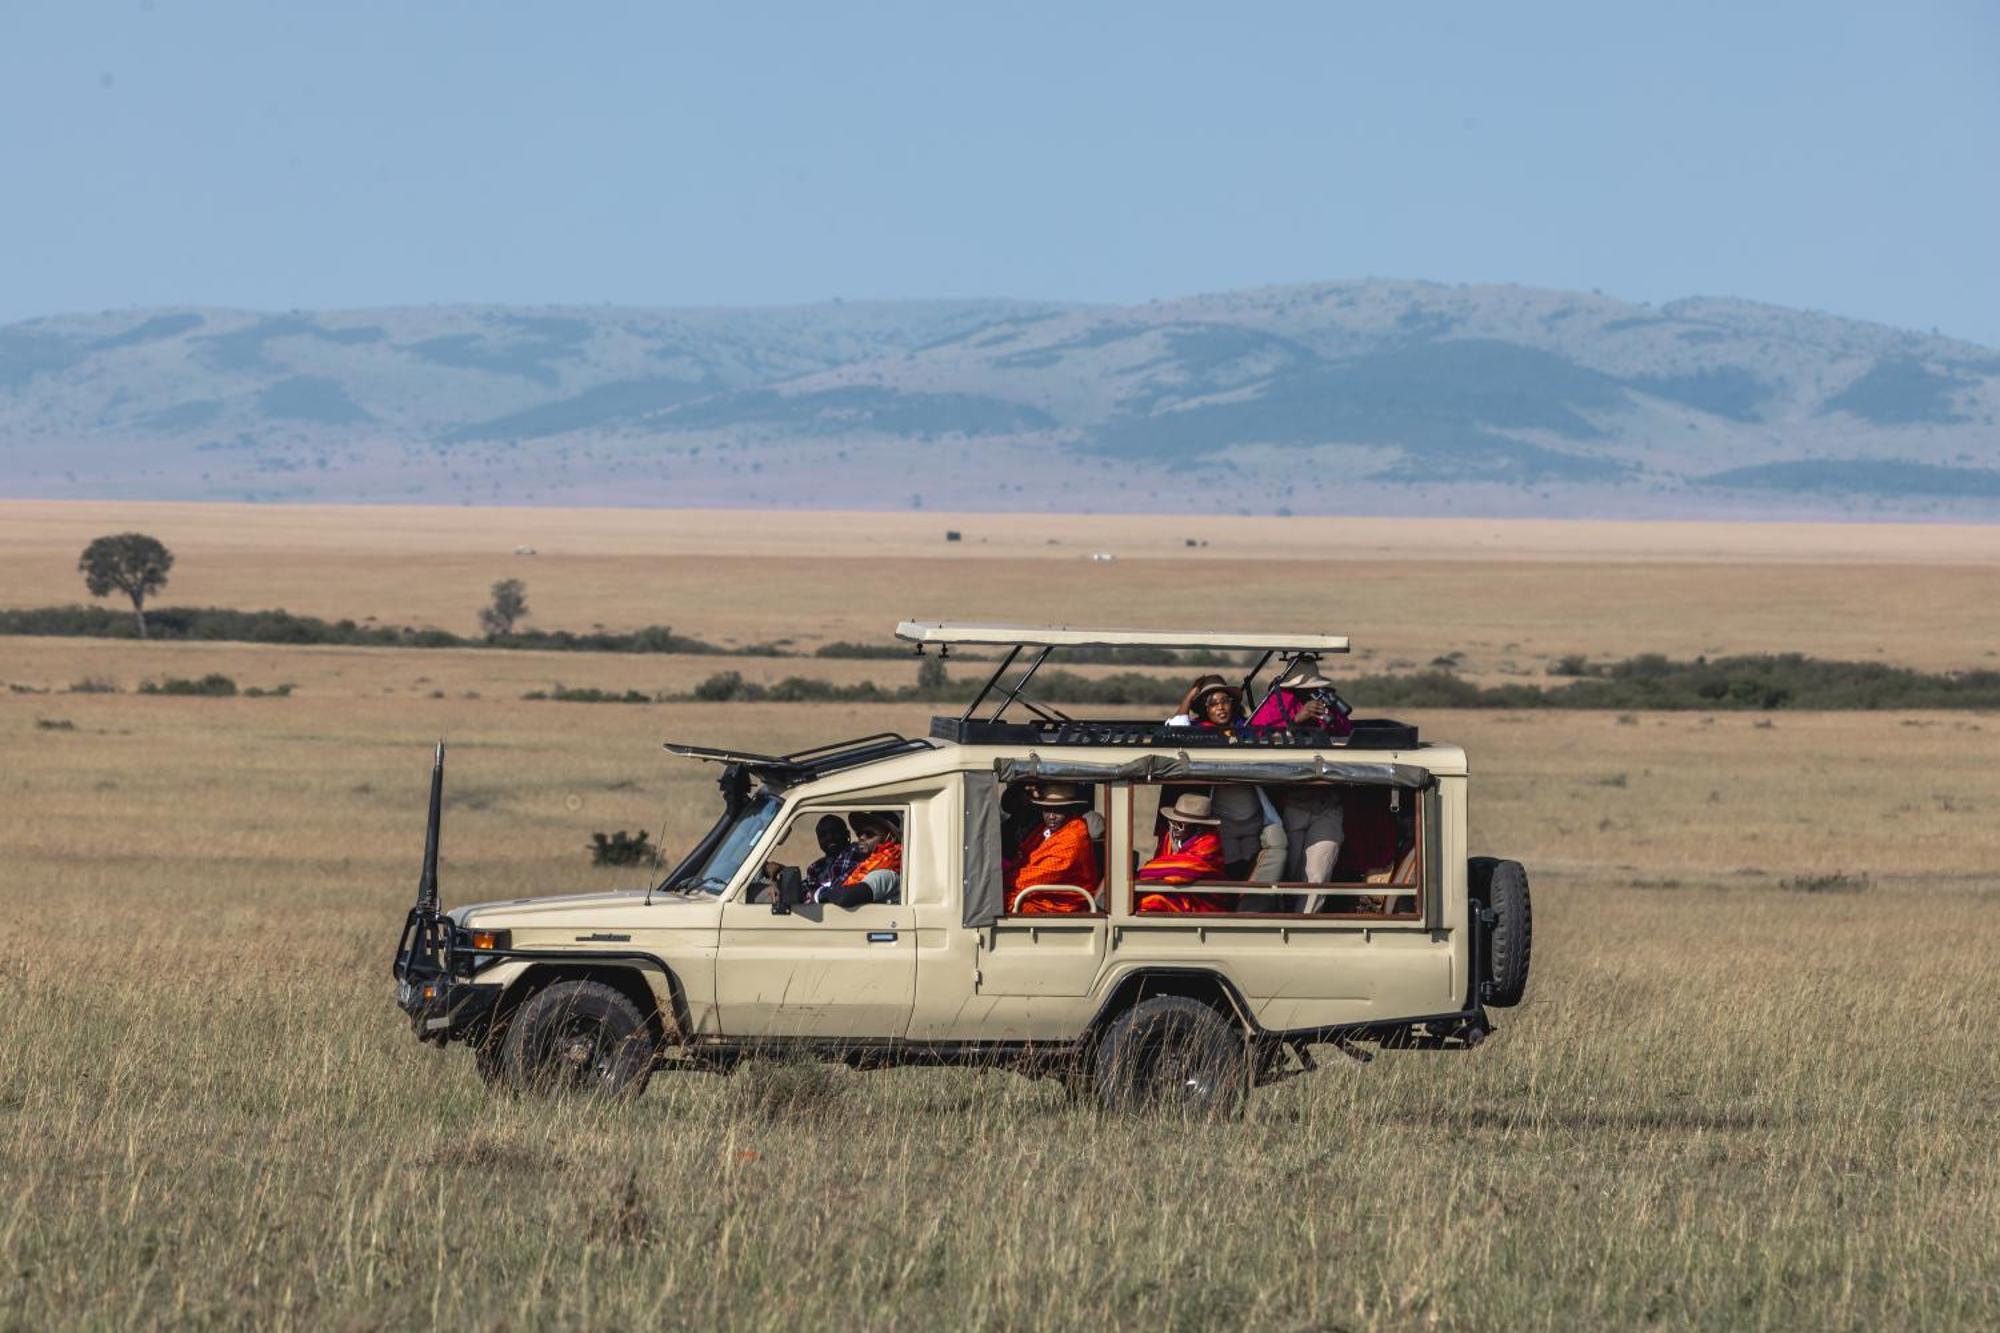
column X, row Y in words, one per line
column 487, row 939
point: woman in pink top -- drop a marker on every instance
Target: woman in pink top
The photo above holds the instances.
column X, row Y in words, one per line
column 1314, row 826
column 1302, row 697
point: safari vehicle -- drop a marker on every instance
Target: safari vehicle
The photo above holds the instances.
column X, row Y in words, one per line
column 1407, row 942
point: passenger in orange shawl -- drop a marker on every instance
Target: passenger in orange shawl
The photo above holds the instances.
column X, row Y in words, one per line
column 1190, row 851
column 888, row 855
column 1059, row 852
column 880, row 838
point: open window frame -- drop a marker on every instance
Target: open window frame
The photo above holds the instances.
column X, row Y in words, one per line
column 754, row 886
column 1099, row 893
column 1369, row 902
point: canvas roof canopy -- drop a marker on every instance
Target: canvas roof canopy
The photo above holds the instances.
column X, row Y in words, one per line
column 947, row 633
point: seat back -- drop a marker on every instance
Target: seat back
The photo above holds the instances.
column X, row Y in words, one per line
column 1054, row 898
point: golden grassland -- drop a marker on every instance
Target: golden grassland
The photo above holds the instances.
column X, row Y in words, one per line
column 1508, row 594
column 1729, row 1101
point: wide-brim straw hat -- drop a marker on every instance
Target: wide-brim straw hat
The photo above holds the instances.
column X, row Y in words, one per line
column 1057, row 795
column 1191, row 808
column 1304, row 674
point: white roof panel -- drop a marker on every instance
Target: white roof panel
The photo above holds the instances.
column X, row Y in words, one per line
column 1060, row 636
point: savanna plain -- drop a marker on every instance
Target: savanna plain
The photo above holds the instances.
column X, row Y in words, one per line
column 1754, row 1083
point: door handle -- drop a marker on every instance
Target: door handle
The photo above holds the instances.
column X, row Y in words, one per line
column 881, row 937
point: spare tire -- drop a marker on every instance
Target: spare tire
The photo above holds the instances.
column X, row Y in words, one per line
column 1502, row 888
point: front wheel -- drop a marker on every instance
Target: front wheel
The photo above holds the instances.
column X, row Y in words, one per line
column 1174, row 1054
column 577, row 1037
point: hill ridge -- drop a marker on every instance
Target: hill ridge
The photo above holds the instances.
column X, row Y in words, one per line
column 1392, row 395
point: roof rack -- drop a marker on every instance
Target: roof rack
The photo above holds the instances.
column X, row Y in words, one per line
column 947, row 633
column 1045, row 639
column 813, row 762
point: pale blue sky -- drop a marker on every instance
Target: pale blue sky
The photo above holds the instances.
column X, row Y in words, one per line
column 1830, row 155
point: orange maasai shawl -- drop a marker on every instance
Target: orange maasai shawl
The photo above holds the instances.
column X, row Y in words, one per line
column 1200, row 857
column 889, row 856
column 1062, row 857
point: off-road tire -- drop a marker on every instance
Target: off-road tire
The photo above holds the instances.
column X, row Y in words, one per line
column 578, row 1037
column 1503, row 887
column 1172, row 1054
column 489, row 1056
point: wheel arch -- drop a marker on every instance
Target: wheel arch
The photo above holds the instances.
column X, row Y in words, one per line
column 645, row 981
column 1204, row 984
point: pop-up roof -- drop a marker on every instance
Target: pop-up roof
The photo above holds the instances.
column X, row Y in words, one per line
column 1039, row 641
column 945, row 634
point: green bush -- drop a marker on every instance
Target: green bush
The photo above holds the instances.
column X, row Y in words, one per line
column 1757, row 683
column 587, row 694
column 1831, row 883
column 214, row 685
column 623, row 849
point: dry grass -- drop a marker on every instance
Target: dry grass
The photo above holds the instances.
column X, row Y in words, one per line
column 1731, row 1102
column 1727, row 1104
column 1510, row 595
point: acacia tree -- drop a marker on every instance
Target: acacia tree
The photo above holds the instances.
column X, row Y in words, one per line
column 131, row 563
column 510, row 603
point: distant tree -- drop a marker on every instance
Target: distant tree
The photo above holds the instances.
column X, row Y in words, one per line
column 510, row 603
column 131, row 563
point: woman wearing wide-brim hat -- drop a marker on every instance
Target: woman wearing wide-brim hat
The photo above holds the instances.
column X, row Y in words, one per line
column 1253, row 838
column 1210, row 702
column 1190, row 851
column 1303, row 697
column 1059, row 852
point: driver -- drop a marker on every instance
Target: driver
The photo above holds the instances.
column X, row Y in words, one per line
column 839, row 856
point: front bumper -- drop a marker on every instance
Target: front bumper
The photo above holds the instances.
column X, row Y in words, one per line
column 442, row 1009
column 433, row 987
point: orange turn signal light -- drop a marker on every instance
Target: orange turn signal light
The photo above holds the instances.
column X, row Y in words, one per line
column 488, row 939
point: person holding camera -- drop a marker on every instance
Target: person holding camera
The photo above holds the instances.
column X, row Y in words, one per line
column 1304, row 699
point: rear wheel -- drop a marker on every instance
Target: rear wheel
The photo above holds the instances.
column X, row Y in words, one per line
column 577, row 1037
column 1173, row 1054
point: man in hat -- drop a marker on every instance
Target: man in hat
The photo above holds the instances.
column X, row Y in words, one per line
column 1059, row 852
column 1190, row 851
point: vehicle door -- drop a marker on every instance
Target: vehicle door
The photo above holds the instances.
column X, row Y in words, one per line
column 816, row 970
column 1025, row 952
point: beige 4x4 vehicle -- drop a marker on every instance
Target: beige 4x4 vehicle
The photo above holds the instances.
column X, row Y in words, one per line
column 1131, row 989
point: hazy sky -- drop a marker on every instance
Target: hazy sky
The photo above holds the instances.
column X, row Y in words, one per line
column 1837, row 156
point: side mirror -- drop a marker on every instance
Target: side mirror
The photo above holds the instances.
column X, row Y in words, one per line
column 791, row 891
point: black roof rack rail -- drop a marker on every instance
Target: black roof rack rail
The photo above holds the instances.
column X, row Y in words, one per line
column 1370, row 733
column 806, row 755
column 812, row 762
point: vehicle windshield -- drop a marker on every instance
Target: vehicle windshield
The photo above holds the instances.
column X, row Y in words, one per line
column 714, row 874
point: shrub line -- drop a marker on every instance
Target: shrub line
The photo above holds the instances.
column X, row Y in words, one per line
column 1787, row 681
